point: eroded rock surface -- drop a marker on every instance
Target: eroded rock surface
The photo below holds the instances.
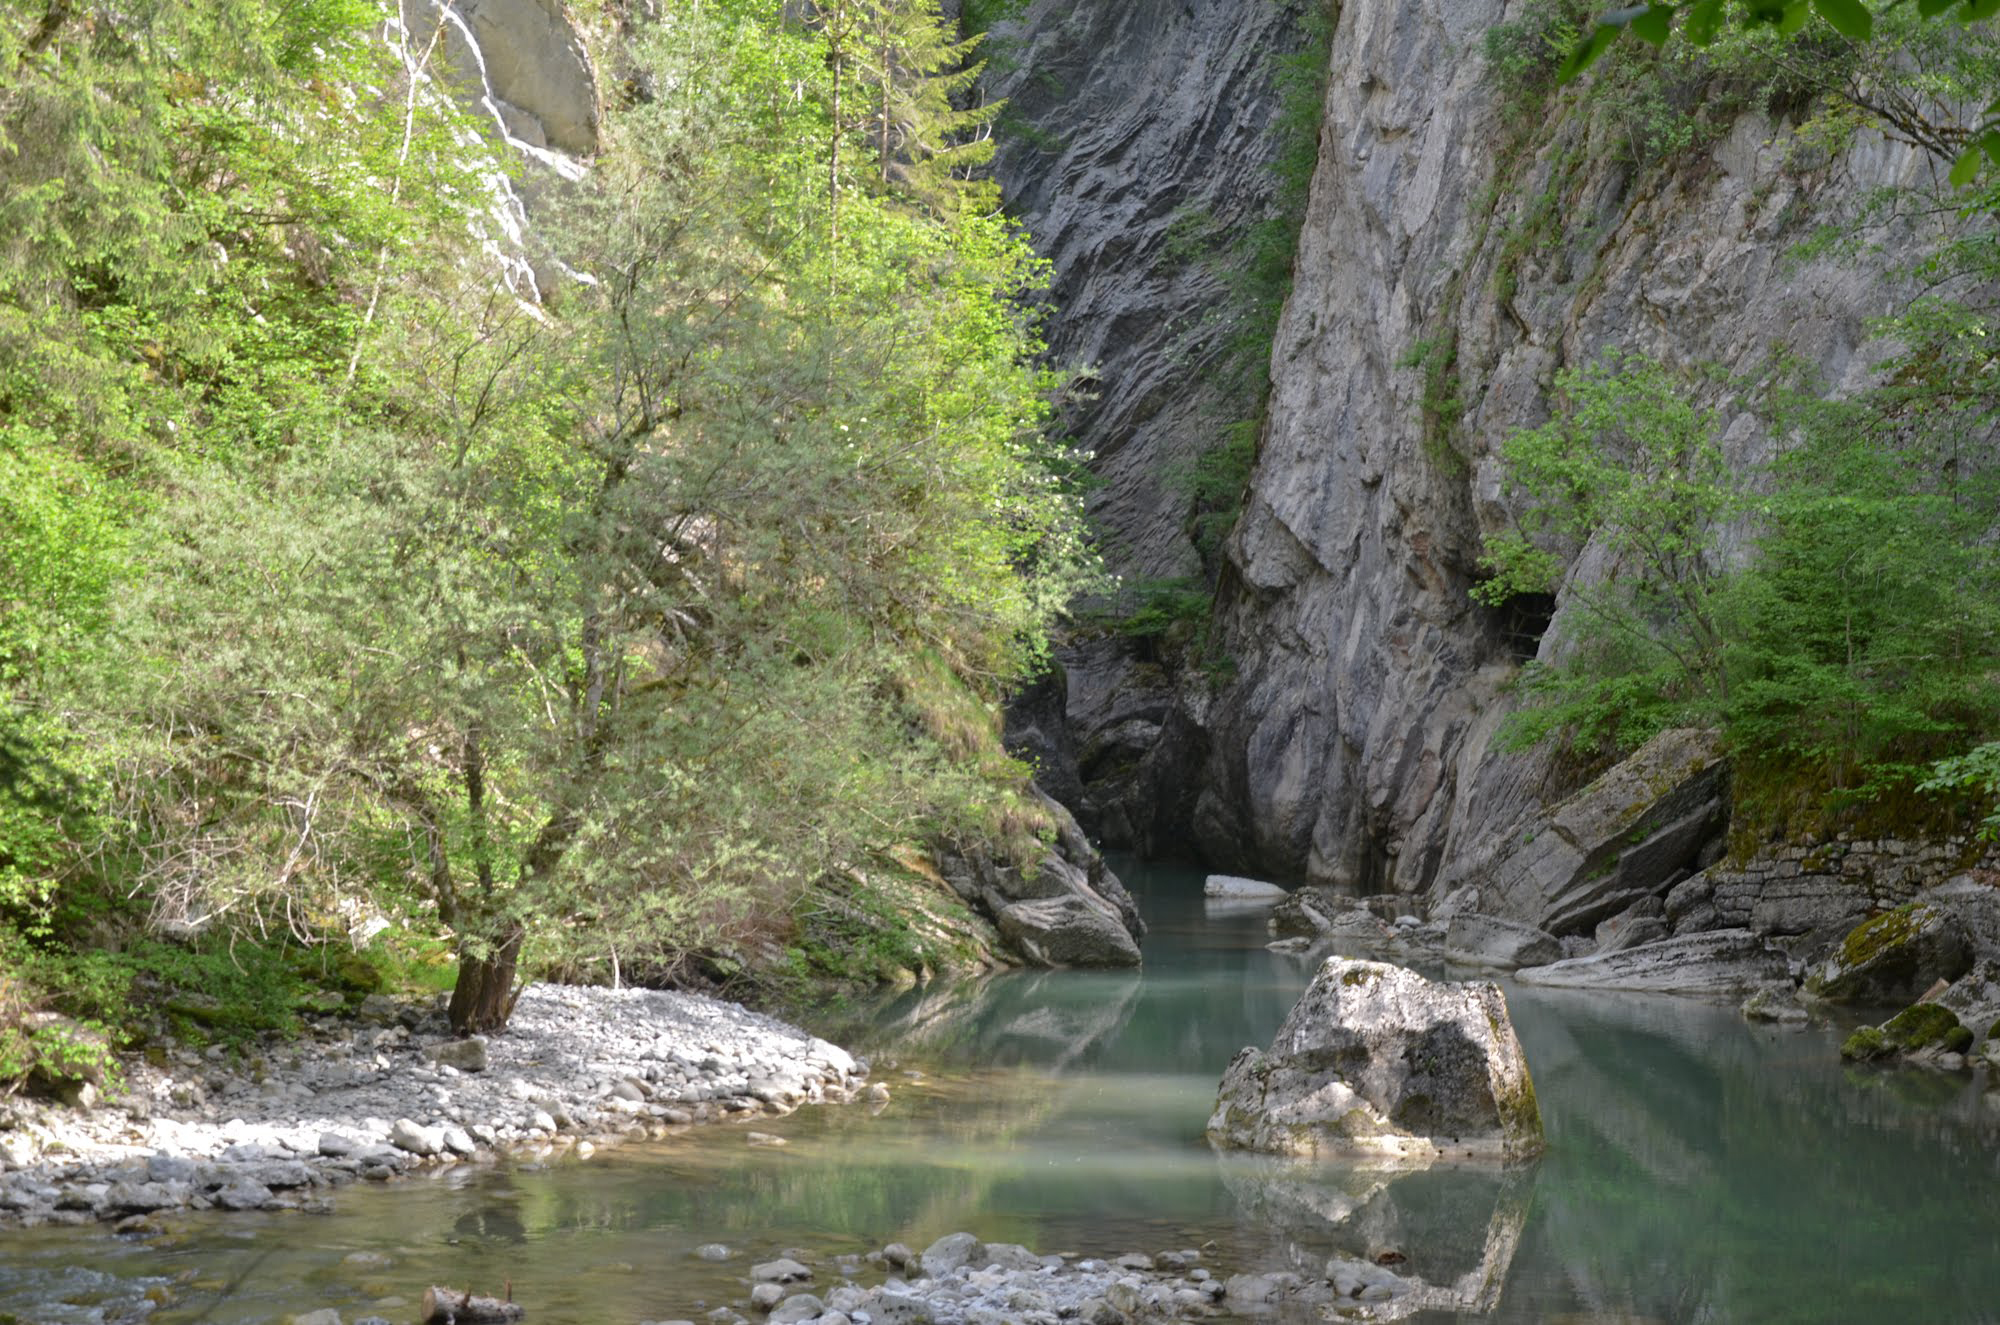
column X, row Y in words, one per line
column 1376, row 1061
column 1725, row 961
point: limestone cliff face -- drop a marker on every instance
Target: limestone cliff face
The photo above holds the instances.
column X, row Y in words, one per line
column 1137, row 146
column 1130, row 122
column 1355, row 746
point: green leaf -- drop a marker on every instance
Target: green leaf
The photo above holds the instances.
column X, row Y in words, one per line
column 1932, row 8
column 1794, row 18
column 1850, row 18
column 1704, row 21
column 1990, row 140
column 1655, row 25
column 1978, row 11
column 1588, row 51
column 1966, row 168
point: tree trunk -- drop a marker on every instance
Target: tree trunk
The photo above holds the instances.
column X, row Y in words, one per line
column 483, row 998
column 449, row 1306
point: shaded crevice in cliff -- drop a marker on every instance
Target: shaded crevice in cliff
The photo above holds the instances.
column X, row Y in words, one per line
column 1138, row 148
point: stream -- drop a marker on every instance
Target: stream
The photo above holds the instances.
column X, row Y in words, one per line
column 1699, row 1169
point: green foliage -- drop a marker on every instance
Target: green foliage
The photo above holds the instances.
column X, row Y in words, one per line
column 365, row 585
column 1256, row 267
column 977, row 16
column 1854, row 641
column 1628, row 465
column 1441, row 401
column 1971, row 143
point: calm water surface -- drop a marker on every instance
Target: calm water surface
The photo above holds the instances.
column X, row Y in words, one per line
column 1700, row 1169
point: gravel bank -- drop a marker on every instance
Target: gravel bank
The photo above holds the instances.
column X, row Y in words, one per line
column 393, row 1092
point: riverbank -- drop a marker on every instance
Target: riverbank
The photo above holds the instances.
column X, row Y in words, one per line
column 391, row 1092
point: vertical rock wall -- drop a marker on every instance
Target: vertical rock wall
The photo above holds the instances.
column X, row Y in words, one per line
column 1355, row 746
column 1137, row 146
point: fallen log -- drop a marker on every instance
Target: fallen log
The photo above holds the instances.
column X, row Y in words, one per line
column 449, row 1306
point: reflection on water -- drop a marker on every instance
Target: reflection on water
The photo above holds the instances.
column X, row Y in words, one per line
column 1699, row 1169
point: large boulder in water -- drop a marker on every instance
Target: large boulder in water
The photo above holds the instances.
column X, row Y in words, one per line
column 1377, row 1062
column 1894, row 957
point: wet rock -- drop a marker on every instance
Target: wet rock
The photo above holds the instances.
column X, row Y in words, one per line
column 417, row 1140
column 950, row 1252
column 1923, row 1030
column 324, row 1316
column 1777, row 1002
column 1893, row 957
column 1494, row 941
column 766, row 1297
column 244, row 1195
column 1067, row 931
column 713, row 1251
column 783, row 1270
column 1375, row 1060
column 1229, row 887
column 1725, row 961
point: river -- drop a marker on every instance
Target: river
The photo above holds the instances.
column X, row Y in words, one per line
column 1699, row 1169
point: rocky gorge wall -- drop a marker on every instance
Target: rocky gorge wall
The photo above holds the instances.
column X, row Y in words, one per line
column 1453, row 260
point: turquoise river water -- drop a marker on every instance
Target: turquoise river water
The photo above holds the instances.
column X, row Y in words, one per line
column 1699, row 1169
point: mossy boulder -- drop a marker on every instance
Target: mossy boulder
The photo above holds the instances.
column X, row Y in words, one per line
column 1923, row 1028
column 1893, row 957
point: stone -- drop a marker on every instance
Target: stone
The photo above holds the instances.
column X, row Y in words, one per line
column 1067, row 931
column 1975, row 997
column 333, row 1145
column 766, row 1297
column 783, row 1270
column 459, row 1142
column 1777, row 1002
column 1913, row 1031
column 467, row 1055
column 144, row 1197
column 164, row 1167
column 244, row 1195
column 324, row 1316
column 1621, row 838
column 797, row 1308
column 1229, row 887
column 417, row 1140
column 1641, row 923
column 950, row 1252
column 1893, row 957
column 893, row 1308
column 1473, row 939
column 1724, row 961
column 712, row 1251
column 1376, row 1061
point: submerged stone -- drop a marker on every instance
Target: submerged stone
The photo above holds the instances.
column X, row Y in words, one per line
column 1377, row 1061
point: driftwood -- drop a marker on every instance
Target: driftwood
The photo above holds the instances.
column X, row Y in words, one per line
column 449, row 1306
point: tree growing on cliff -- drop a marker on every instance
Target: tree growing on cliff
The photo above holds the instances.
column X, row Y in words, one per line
column 1835, row 612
